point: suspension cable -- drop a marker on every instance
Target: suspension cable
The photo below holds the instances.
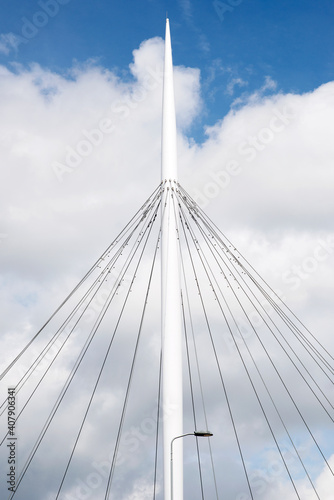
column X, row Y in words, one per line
column 310, row 432
column 247, row 371
column 219, row 369
column 99, row 376
column 112, row 468
column 70, row 377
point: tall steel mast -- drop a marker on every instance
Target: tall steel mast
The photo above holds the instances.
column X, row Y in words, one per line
column 171, row 289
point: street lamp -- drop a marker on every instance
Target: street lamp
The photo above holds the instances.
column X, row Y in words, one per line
column 195, row 433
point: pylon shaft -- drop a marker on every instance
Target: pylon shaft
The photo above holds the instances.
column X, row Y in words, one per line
column 171, row 290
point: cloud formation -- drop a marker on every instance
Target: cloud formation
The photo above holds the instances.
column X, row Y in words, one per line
column 8, row 42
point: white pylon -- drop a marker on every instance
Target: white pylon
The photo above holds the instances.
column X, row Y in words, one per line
column 171, row 320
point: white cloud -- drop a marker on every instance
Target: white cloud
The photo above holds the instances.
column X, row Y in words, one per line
column 187, row 9
column 268, row 87
column 269, row 84
column 281, row 148
column 8, row 42
column 81, row 152
column 239, row 82
column 324, row 484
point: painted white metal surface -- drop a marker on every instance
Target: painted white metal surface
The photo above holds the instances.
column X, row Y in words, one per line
column 171, row 290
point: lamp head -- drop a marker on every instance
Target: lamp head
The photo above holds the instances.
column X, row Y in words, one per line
column 203, row 434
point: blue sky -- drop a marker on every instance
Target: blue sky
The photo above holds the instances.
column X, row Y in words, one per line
column 235, row 44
